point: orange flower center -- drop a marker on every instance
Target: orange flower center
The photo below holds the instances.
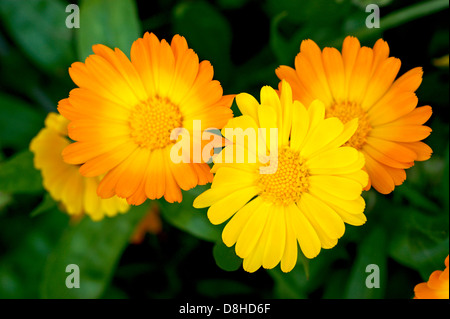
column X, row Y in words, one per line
column 347, row 111
column 152, row 121
column 287, row 180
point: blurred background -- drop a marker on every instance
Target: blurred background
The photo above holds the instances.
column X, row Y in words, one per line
column 159, row 250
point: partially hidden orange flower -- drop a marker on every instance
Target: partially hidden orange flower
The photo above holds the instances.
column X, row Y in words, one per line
column 437, row 286
column 361, row 83
column 150, row 224
column 123, row 112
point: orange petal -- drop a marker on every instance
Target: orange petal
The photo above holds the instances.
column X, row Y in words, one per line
column 350, row 49
column 334, row 68
column 418, row 116
column 422, row 150
column 395, row 150
column 299, row 92
column 401, row 133
column 380, row 179
column 410, row 81
column 398, row 105
column 124, row 67
column 155, row 186
column 360, row 75
column 380, row 82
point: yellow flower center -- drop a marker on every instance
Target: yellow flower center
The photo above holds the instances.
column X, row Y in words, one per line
column 347, row 111
column 152, row 121
column 289, row 181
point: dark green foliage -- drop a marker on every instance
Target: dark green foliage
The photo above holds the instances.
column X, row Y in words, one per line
column 407, row 232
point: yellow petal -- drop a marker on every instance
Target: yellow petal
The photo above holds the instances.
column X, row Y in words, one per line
column 233, row 178
column 326, row 241
column 338, row 186
column 276, row 239
column 300, row 125
column 325, row 132
column 289, row 259
column 305, row 233
column 252, row 231
column 226, row 207
column 348, row 131
column 332, row 160
column 91, row 200
column 255, row 259
column 243, row 131
column 316, row 112
column 354, row 207
column 234, row 227
column 323, row 215
column 270, row 98
column 248, row 105
column 286, row 104
column 268, row 118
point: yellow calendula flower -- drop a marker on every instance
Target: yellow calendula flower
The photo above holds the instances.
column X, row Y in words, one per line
column 437, row 286
column 63, row 181
column 302, row 191
column 123, row 112
column 361, row 83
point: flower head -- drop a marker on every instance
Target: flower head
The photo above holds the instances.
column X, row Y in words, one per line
column 437, row 286
column 123, row 112
column 360, row 83
column 301, row 191
column 63, row 181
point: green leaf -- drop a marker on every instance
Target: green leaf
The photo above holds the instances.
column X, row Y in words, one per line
column 284, row 50
column 412, row 12
column 18, row 122
column 291, row 285
column 38, row 27
column 22, row 264
column 46, row 204
column 207, row 32
column 402, row 16
column 226, row 257
column 116, row 26
column 416, row 198
column 333, row 287
column 193, row 221
column 317, row 13
column 372, row 250
column 287, row 47
column 18, row 175
column 364, row 3
column 321, row 265
column 95, row 247
column 420, row 240
column 5, row 199
column 445, row 182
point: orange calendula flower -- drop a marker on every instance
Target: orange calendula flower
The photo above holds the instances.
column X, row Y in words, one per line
column 63, row 181
column 123, row 112
column 360, row 83
column 437, row 286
